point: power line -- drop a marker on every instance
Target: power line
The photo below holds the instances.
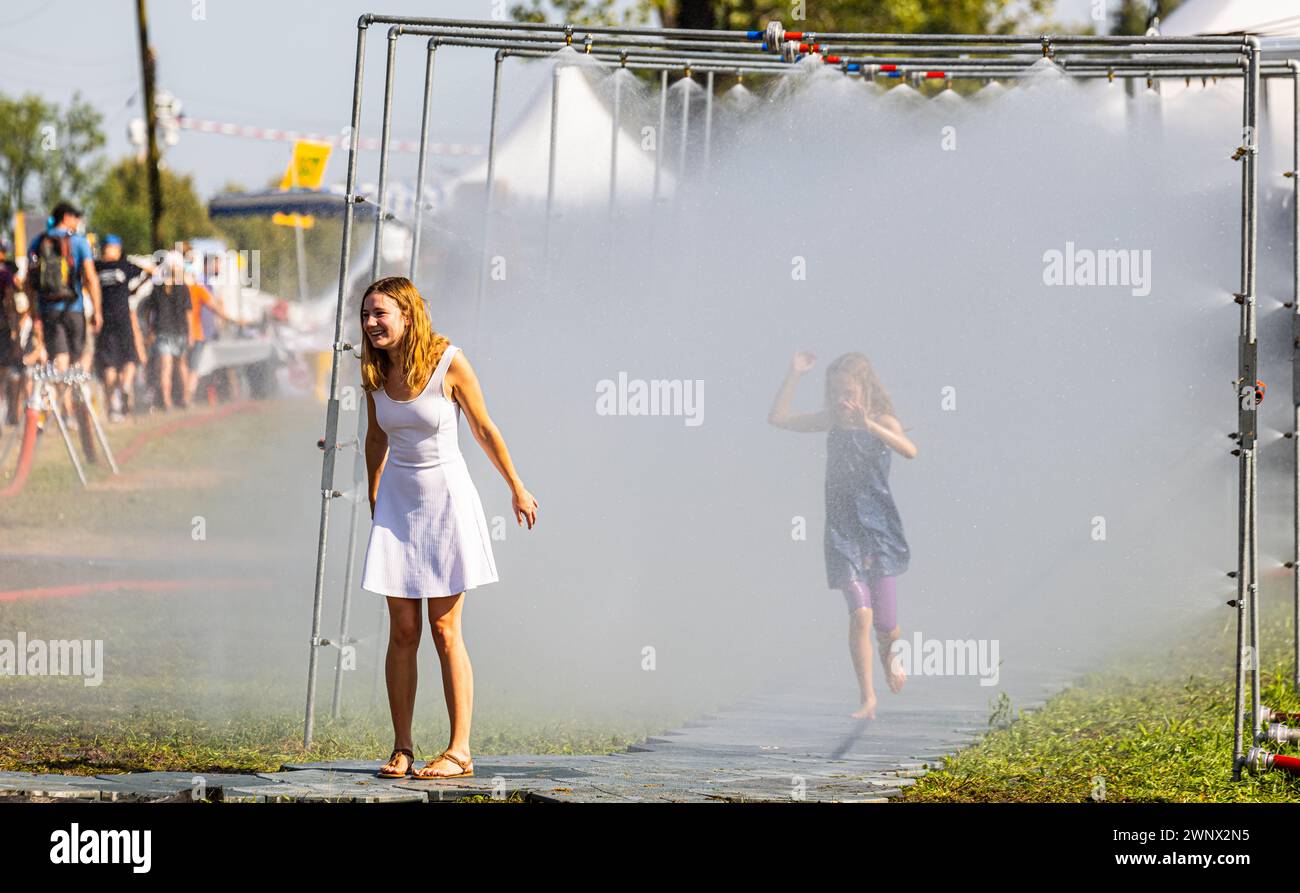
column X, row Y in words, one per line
column 41, row 7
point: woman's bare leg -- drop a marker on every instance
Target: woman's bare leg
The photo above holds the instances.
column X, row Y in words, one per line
column 457, row 680
column 860, row 651
column 400, row 670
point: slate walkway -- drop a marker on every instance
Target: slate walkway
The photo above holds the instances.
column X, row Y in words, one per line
column 798, row 744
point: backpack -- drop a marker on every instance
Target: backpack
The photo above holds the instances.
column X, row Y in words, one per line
column 51, row 268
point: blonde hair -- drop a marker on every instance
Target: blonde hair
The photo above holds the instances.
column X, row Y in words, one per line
column 858, row 368
column 421, row 347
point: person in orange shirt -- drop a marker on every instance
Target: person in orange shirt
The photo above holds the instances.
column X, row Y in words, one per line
column 199, row 296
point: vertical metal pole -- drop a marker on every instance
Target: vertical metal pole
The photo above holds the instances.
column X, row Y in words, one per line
column 421, row 161
column 686, row 127
column 332, row 407
column 708, row 121
column 1252, row 356
column 659, row 135
column 1247, row 557
column 484, row 258
column 550, row 175
column 358, row 457
column 614, row 126
column 1295, row 356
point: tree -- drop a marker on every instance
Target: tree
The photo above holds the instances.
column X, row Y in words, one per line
column 120, row 204
column 74, row 168
column 40, row 144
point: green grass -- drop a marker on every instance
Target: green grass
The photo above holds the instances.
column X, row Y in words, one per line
column 1154, row 726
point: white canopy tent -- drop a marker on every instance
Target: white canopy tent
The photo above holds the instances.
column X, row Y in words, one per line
column 1265, row 18
column 583, row 146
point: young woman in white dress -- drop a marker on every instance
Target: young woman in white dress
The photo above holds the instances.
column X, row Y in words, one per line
column 429, row 538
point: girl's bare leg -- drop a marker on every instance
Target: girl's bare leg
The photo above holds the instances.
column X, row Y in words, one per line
column 860, row 651
column 457, row 681
column 400, row 671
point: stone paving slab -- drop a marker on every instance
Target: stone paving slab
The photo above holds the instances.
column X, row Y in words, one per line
column 798, row 744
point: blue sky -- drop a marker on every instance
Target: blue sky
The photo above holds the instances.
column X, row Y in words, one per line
column 285, row 64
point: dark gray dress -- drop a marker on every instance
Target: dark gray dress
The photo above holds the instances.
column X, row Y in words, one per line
column 861, row 518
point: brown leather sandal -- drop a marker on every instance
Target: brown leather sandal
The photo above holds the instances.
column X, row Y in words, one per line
column 467, row 769
column 410, row 757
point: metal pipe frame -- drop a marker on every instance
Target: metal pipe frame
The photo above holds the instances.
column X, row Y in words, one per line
column 1247, row 57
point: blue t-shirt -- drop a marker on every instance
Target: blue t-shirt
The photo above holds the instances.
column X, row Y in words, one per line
column 80, row 254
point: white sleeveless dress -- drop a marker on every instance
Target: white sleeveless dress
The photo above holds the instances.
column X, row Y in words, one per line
column 430, row 537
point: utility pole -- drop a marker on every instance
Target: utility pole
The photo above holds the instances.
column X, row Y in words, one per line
column 151, row 128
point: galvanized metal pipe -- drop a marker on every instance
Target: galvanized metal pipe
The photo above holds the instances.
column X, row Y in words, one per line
column 1294, row 68
column 659, row 134
column 550, row 174
column 487, row 198
column 332, row 405
column 686, row 83
column 708, row 121
column 421, row 160
column 359, row 459
column 615, row 123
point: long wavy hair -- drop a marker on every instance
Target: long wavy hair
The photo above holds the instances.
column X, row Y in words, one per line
column 858, row 368
column 421, row 347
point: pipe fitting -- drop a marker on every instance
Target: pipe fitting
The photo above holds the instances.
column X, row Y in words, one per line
column 774, row 35
column 1281, row 734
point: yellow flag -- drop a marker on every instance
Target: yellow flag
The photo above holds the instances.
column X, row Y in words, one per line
column 307, row 166
column 306, row 221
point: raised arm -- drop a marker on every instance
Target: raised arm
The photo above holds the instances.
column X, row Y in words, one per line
column 376, row 451
column 465, row 390
column 780, row 414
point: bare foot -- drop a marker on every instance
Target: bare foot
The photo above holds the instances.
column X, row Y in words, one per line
column 867, row 710
column 893, row 664
column 452, row 766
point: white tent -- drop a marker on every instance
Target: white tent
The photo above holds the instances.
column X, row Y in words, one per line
column 1265, row 18
column 582, row 152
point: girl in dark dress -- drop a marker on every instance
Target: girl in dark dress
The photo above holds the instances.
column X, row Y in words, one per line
column 865, row 547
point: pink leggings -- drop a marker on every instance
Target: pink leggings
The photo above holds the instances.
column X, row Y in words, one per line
column 878, row 594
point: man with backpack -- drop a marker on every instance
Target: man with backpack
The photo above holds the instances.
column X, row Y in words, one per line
column 60, row 271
